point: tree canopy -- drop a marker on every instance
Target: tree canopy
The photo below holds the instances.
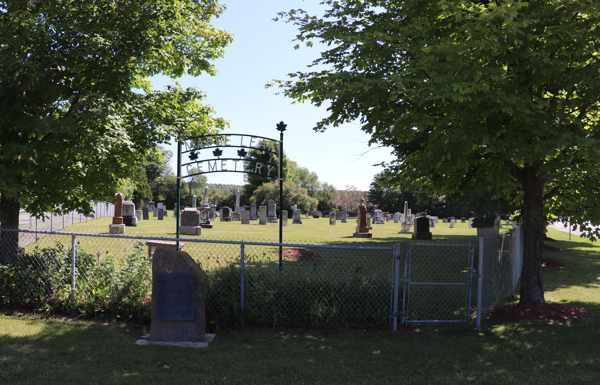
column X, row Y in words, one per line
column 504, row 94
column 76, row 108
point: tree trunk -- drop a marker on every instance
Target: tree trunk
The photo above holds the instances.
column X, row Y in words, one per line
column 532, row 289
column 9, row 241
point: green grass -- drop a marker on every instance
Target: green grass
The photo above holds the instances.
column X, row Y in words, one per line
column 50, row 351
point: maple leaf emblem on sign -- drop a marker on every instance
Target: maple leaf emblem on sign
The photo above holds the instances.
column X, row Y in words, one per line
column 242, row 153
column 193, row 155
column 217, row 152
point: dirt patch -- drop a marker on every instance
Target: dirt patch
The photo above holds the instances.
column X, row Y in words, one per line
column 549, row 262
column 296, row 255
column 551, row 312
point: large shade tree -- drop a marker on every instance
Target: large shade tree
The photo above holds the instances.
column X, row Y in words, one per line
column 76, row 108
column 503, row 93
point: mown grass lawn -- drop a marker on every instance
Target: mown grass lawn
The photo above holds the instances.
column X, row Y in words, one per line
column 34, row 350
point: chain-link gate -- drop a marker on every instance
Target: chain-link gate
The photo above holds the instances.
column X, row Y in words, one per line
column 436, row 283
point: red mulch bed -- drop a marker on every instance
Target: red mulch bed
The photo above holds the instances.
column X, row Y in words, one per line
column 549, row 262
column 551, row 312
column 296, row 255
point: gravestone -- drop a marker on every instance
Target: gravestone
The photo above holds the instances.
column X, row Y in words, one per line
column 213, row 212
column 193, row 201
column 175, row 211
column 369, row 222
column 117, row 226
column 145, row 213
column 284, row 217
column 405, row 220
column 345, row 215
column 190, row 222
column 178, row 297
column 253, row 214
column 154, row 212
column 236, row 211
column 296, row 217
column 378, row 217
column 332, row 218
column 271, row 211
column 138, row 214
column 225, row 214
column 422, row 228
column 262, row 216
column 245, row 215
column 362, row 229
column 129, row 218
column 452, row 223
column 161, row 214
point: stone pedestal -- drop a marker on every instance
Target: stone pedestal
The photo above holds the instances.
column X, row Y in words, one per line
column 116, row 228
column 130, row 221
column 178, row 297
column 190, row 230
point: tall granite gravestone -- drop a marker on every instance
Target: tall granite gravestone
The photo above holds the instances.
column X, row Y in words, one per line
column 362, row 230
column 245, row 215
column 161, row 214
column 422, row 228
column 332, row 217
column 190, row 222
column 296, row 217
column 262, row 216
column 193, row 201
column 284, row 218
column 405, row 220
column 145, row 213
column 237, row 211
column 129, row 218
column 225, row 214
column 253, row 213
column 271, row 211
column 178, row 297
column 345, row 215
column 117, row 226
column 205, row 200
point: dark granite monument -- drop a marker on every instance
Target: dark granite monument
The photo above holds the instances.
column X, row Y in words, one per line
column 362, row 229
column 422, row 228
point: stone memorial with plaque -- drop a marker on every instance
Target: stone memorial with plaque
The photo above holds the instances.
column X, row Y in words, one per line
column 178, row 298
column 422, row 228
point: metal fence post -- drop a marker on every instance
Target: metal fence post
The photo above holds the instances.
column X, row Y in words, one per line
column 242, row 284
column 479, row 284
column 396, row 286
column 73, row 271
column 63, row 218
column 406, row 288
column 51, row 221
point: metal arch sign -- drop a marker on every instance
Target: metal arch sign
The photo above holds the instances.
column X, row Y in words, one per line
column 194, row 147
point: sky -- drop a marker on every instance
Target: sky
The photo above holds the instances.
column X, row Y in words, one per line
column 263, row 50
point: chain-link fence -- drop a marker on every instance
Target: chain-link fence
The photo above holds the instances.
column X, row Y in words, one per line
column 248, row 282
column 499, row 269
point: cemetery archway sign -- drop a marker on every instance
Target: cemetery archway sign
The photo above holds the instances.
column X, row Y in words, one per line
column 194, row 146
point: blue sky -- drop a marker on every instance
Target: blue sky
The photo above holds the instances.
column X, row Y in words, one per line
column 264, row 50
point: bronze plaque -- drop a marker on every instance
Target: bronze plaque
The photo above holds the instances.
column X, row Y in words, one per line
column 175, row 296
